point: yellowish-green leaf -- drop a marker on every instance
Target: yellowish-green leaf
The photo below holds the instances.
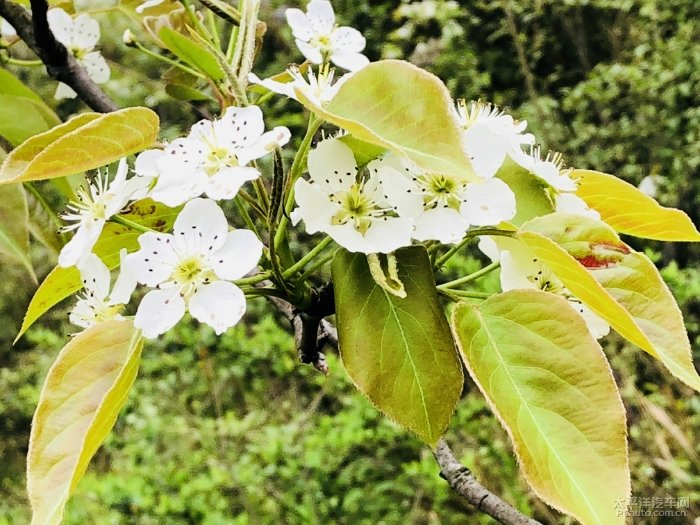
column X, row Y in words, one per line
column 401, row 107
column 398, row 352
column 630, row 211
column 63, row 282
column 364, row 152
column 81, row 398
column 84, row 142
column 14, row 229
column 622, row 286
column 551, row 387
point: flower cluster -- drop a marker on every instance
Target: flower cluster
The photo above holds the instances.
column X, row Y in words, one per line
column 193, row 268
column 79, row 36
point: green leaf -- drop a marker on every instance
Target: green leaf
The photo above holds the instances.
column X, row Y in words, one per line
column 182, row 92
column 630, row 211
column 548, row 382
column 85, row 142
column 22, row 112
column 531, row 195
column 399, row 106
column 63, row 282
column 622, row 286
column 192, row 54
column 398, row 352
column 364, row 152
column 84, row 391
column 14, row 229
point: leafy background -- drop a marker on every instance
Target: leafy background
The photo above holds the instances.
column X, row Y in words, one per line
column 235, row 431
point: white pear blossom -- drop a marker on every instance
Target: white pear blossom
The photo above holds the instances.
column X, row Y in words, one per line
column 442, row 207
column 352, row 210
column 192, row 269
column 520, row 268
column 98, row 302
column 319, row 38
column 95, row 205
column 147, row 5
column 79, row 36
column 489, row 135
column 213, row 159
column 318, row 88
column 6, row 29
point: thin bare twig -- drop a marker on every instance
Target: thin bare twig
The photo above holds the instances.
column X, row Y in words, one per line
column 34, row 30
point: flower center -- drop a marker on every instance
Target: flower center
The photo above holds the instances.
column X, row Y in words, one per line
column 355, row 207
column 439, row 191
column 217, row 158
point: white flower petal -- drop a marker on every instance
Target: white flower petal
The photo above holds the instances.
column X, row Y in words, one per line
column 64, row 91
column 486, row 150
column 321, row 16
column 82, row 243
column 220, row 304
column 239, row 127
column 154, row 262
column 148, row 4
column 6, row 29
column 349, row 61
column 311, row 53
column 283, row 88
column 146, row 164
column 515, row 270
column 201, row 226
column 300, row 25
column 96, row 67
column 177, row 183
column 347, row 40
column 226, row 183
column 238, row 256
column 440, row 224
column 314, row 207
column 488, row 203
column 61, row 25
column 488, row 247
column 86, row 32
column 159, row 311
column 265, row 144
column 571, row 203
column 82, row 314
column 332, row 165
column 125, row 284
column 400, row 190
column 597, row 326
column 385, row 236
column 95, row 276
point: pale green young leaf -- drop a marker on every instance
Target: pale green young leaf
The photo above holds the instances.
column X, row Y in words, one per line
column 61, row 283
column 531, row 195
column 549, row 383
column 14, row 227
column 630, row 211
column 192, row 53
column 398, row 352
column 622, row 286
column 22, row 112
column 84, row 142
column 84, row 391
column 401, row 107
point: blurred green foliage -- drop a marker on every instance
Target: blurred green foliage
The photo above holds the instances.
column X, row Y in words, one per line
column 235, row 431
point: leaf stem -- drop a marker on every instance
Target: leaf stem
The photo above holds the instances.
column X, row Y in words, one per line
column 468, row 237
column 167, row 60
column 307, row 258
column 253, row 279
column 471, row 277
column 19, row 62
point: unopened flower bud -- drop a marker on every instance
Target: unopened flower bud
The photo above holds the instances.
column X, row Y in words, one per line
column 128, row 38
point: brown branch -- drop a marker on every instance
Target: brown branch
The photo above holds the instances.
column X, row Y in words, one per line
column 60, row 64
column 465, row 484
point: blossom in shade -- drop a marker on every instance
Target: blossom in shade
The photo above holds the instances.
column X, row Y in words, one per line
column 550, row 170
column 520, row 268
column 79, row 36
column 318, row 88
column 320, row 40
column 192, row 269
column 99, row 301
column 95, row 205
column 441, row 206
column 213, row 159
column 489, row 135
column 352, row 209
